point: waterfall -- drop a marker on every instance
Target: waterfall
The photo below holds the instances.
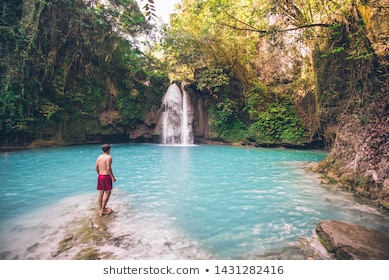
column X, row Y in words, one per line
column 176, row 117
column 187, row 120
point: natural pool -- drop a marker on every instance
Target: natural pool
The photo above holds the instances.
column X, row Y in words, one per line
column 178, row 202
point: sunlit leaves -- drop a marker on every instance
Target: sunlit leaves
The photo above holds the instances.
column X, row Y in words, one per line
column 196, row 29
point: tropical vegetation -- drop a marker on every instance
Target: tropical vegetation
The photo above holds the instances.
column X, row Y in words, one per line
column 272, row 71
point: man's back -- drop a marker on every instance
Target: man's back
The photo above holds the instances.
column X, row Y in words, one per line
column 103, row 164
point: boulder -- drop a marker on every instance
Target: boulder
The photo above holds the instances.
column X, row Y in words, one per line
column 353, row 242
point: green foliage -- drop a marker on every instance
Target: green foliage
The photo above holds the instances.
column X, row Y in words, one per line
column 272, row 117
column 195, row 39
column 224, row 112
column 257, row 100
column 212, row 79
column 236, row 35
column 225, row 122
column 234, row 131
column 49, row 109
column 278, row 123
column 64, row 62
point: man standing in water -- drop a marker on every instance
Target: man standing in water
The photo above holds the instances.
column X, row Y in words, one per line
column 105, row 179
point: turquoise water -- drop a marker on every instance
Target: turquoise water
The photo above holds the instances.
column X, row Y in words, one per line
column 216, row 201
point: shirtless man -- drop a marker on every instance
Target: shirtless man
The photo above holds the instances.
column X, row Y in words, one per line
column 105, row 179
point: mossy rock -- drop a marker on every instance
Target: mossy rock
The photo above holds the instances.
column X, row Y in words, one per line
column 64, row 245
column 85, row 233
column 88, row 254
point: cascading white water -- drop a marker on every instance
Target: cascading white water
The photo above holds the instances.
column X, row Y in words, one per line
column 187, row 120
column 176, row 117
column 171, row 116
column 184, row 124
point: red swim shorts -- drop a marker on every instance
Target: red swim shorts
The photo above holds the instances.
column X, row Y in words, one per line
column 104, row 183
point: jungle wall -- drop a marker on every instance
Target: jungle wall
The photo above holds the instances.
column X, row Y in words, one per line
column 353, row 90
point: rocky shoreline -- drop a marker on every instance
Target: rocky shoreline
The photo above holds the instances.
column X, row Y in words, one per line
column 342, row 240
column 353, row 242
column 87, row 236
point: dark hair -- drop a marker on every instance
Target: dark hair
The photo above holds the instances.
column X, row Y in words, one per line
column 105, row 147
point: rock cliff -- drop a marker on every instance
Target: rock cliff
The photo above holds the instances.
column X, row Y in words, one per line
column 354, row 105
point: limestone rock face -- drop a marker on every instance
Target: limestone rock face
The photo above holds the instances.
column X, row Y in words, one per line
column 353, row 242
column 360, row 156
column 375, row 14
column 200, row 113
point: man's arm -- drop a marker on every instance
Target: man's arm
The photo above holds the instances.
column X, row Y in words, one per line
column 109, row 168
column 97, row 167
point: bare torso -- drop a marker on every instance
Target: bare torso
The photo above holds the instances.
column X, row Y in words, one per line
column 103, row 165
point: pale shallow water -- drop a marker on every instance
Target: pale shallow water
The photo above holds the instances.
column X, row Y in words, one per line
column 190, row 202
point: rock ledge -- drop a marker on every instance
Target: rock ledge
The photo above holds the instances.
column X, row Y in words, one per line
column 353, row 242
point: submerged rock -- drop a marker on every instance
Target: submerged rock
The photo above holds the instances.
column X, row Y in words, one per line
column 353, row 242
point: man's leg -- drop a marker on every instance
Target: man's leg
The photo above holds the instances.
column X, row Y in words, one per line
column 105, row 200
column 100, row 201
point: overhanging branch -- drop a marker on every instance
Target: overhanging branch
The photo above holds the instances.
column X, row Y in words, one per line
column 272, row 31
column 265, row 32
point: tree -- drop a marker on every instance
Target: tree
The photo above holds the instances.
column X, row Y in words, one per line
column 61, row 60
column 269, row 42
